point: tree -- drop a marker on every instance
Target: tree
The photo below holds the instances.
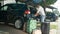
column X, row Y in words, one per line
column 47, row 2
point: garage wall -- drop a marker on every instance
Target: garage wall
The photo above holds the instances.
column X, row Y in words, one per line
column 6, row 2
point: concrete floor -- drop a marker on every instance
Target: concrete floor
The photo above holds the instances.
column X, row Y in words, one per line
column 4, row 29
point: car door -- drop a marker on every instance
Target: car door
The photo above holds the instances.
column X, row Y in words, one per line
column 10, row 14
column 3, row 13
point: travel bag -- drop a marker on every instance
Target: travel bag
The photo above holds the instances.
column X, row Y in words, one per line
column 31, row 25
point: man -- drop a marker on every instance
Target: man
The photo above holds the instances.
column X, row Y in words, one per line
column 40, row 11
column 44, row 25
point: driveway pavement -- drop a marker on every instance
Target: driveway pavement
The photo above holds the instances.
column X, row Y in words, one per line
column 10, row 30
column 4, row 29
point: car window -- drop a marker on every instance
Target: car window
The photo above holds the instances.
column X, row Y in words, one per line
column 18, row 6
column 4, row 8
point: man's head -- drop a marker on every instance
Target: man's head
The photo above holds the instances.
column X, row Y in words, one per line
column 36, row 5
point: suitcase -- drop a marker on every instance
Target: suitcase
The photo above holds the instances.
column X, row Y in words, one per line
column 37, row 1
column 31, row 25
column 36, row 31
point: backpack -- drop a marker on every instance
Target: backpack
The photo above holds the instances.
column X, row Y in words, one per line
column 31, row 25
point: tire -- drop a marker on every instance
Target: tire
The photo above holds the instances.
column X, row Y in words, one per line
column 18, row 23
column 53, row 19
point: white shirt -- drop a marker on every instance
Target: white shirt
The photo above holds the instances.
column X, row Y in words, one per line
column 40, row 10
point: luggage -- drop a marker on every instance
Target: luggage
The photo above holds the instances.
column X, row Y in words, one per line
column 37, row 1
column 33, row 1
column 31, row 25
column 36, row 31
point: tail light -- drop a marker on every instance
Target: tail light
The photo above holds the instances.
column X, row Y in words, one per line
column 27, row 11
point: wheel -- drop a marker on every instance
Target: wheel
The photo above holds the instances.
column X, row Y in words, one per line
column 53, row 19
column 18, row 23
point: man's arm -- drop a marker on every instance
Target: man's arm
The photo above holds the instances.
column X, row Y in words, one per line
column 37, row 13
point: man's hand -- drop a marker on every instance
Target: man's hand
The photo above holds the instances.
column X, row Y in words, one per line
column 36, row 14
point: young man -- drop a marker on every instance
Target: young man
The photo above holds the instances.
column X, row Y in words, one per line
column 44, row 26
column 40, row 11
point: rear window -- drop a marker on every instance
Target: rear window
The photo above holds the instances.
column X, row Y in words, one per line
column 18, row 6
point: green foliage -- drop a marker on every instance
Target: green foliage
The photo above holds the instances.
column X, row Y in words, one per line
column 53, row 26
column 48, row 2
